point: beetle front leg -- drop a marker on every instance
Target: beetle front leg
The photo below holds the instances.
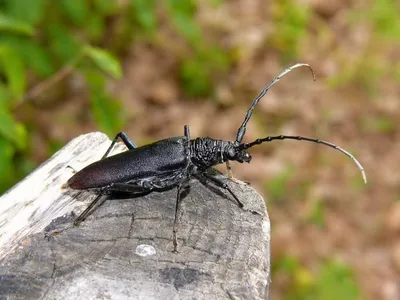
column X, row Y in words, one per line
column 225, row 186
column 229, row 169
column 230, row 175
column 125, row 138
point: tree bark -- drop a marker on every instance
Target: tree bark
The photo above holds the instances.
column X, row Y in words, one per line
column 124, row 248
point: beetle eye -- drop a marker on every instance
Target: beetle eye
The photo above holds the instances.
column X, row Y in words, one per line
column 246, row 157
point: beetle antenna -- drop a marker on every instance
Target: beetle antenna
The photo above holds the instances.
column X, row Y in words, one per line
column 242, row 129
column 301, row 138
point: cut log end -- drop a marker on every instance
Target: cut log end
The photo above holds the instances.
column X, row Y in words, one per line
column 124, row 248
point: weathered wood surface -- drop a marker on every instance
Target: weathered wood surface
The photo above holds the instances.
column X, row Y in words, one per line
column 124, row 249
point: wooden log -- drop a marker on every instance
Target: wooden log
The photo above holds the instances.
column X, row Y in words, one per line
column 124, row 248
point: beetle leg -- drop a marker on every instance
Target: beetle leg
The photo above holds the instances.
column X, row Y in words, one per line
column 186, row 132
column 229, row 169
column 174, row 230
column 86, row 212
column 125, row 138
column 224, row 185
column 115, row 187
column 230, row 175
column 127, row 188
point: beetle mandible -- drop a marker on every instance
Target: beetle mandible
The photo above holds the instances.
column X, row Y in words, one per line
column 173, row 161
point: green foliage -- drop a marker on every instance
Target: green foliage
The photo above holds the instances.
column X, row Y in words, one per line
column 104, row 61
column 10, row 24
column 13, row 69
column 76, row 10
column 28, row 11
column 376, row 124
column 39, row 38
column 63, row 43
column 333, row 280
column 144, row 14
column 106, row 111
column 317, row 213
column 198, row 70
column 276, row 188
column 385, row 17
column 369, row 66
column 7, row 151
column 182, row 17
column 291, row 21
column 35, row 56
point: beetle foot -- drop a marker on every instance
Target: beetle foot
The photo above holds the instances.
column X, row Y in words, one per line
column 58, row 226
column 50, row 235
column 245, row 183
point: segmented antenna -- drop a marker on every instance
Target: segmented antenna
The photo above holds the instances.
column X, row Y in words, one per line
column 242, row 129
column 301, row 138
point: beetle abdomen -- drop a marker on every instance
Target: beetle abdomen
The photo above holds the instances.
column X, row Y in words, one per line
column 161, row 157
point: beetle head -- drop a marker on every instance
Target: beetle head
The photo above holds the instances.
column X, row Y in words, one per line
column 237, row 153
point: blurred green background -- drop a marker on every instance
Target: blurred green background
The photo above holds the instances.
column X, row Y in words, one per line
column 148, row 67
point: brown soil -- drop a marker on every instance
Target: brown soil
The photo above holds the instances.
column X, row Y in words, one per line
column 361, row 222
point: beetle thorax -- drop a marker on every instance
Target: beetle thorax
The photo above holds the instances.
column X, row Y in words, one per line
column 207, row 152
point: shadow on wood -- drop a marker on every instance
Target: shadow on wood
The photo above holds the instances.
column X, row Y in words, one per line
column 124, row 248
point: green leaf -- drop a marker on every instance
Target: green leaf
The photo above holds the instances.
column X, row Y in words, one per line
column 187, row 28
column 15, row 26
column 38, row 59
column 145, row 14
column 287, row 264
column 7, row 173
column 12, row 66
column 317, row 215
column 107, row 112
column 76, row 10
column 336, row 281
column 186, row 8
column 11, row 130
column 95, row 27
column 35, row 56
column 385, row 17
column 104, row 60
column 277, row 186
column 195, row 78
column 4, row 96
column 31, row 11
column 63, row 43
column 105, row 7
column 291, row 20
column 182, row 13
column 95, row 80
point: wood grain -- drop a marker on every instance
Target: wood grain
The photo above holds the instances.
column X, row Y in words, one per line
column 124, row 249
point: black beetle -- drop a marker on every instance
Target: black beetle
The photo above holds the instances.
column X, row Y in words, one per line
column 171, row 162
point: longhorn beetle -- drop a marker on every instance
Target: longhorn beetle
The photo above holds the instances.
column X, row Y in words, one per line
column 173, row 161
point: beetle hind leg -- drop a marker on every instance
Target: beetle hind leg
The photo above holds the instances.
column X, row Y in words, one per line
column 86, row 212
column 125, row 138
column 115, row 187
